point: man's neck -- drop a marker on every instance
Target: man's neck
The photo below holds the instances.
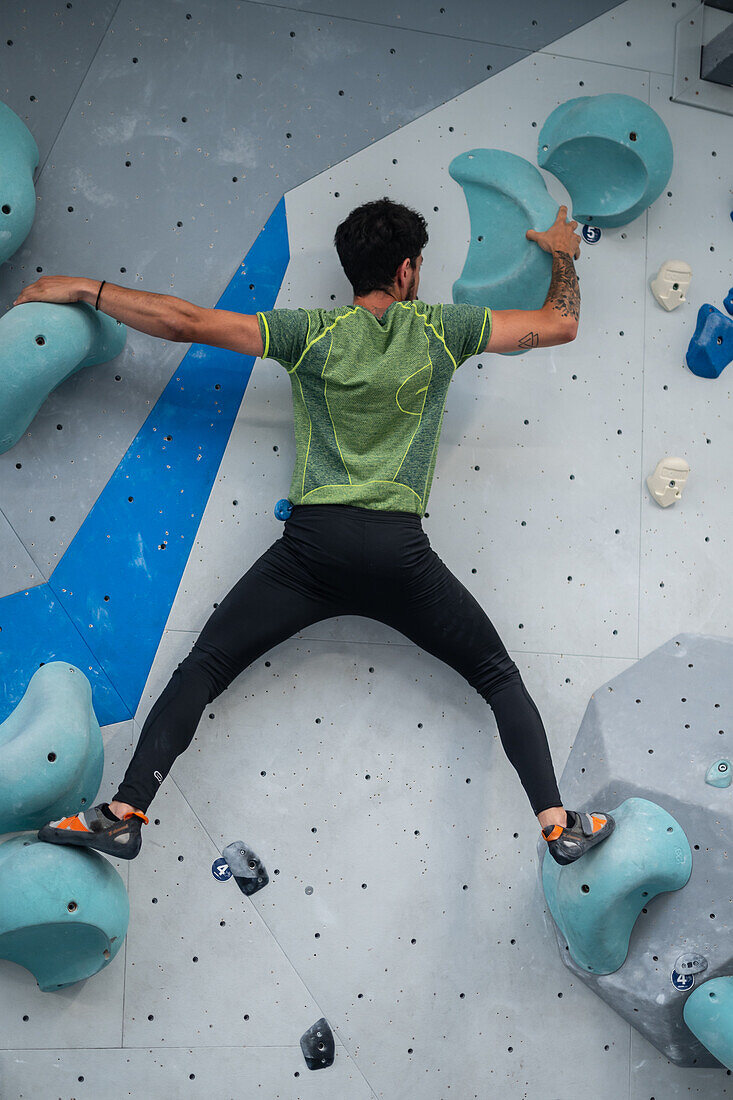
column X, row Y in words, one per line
column 378, row 302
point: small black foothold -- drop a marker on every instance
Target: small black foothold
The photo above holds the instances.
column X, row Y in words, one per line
column 318, row 1045
column 247, row 868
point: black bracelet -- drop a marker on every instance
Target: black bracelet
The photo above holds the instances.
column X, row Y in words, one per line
column 100, row 291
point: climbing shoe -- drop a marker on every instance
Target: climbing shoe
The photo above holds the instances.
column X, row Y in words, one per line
column 583, row 831
column 98, row 828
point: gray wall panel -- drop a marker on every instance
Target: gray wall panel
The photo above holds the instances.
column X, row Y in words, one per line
column 528, row 26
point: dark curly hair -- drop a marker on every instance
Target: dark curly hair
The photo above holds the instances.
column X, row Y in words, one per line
column 375, row 239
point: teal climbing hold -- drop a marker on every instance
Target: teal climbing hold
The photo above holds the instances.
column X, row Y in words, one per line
column 41, row 345
column 64, row 911
column 18, row 161
column 596, row 900
column 612, row 152
column 719, row 774
column 506, row 196
column 708, row 1013
column 51, row 750
column 711, row 348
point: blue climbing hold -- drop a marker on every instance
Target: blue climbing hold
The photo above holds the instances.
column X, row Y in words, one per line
column 41, row 345
column 612, row 152
column 711, row 347
column 19, row 155
column 728, row 302
column 719, row 774
column 708, row 1013
column 506, row 196
column 64, row 911
column 51, row 750
column 283, row 509
column 596, row 900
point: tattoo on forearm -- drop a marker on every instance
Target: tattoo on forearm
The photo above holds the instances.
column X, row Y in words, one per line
column 531, row 340
column 564, row 292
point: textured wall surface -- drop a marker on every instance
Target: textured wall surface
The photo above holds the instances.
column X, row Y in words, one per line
column 403, row 901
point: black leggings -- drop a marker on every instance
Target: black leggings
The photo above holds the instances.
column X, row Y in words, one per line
column 335, row 559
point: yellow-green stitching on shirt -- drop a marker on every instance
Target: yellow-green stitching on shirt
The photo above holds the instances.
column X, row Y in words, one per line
column 310, row 433
column 320, row 336
column 371, row 481
column 427, row 324
column 267, row 334
column 328, row 408
column 483, row 329
column 422, row 410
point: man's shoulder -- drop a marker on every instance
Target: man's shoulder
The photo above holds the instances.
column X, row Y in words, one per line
column 319, row 317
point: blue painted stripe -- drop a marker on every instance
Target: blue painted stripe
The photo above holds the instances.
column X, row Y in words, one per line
column 106, row 604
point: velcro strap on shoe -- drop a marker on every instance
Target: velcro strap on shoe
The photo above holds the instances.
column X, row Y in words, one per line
column 592, row 823
column 77, row 822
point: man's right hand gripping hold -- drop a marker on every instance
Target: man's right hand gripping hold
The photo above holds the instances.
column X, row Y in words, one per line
column 557, row 321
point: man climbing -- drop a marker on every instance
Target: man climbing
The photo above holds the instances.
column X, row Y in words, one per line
column 369, row 386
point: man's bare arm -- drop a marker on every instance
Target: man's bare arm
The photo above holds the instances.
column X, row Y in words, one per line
column 221, row 329
column 564, row 292
column 176, row 319
column 557, row 321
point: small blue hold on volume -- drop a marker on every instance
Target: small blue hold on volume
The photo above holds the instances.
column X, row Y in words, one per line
column 283, row 508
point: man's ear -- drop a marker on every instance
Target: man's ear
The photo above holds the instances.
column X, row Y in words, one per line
column 403, row 271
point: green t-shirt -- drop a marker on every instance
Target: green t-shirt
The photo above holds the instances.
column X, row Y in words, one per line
column 369, row 395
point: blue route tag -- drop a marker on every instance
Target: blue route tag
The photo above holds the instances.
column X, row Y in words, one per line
column 591, row 234
column 682, row 982
column 220, row 869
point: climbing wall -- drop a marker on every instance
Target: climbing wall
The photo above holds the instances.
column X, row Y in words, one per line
column 403, row 902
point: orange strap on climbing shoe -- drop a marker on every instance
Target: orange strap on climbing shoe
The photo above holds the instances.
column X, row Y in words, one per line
column 73, row 823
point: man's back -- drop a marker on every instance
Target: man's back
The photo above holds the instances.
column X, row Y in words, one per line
column 369, row 395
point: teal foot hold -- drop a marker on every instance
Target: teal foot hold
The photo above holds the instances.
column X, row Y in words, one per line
column 41, row 345
column 711, row 347
column 708, row 1013
column 51, row 750
column 596, row 900
column 18, row 162
column 506, row 196
column 612, row 152
column 63, row 911
column 719, row 773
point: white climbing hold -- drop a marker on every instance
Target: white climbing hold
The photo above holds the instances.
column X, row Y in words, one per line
column 671, row 282
column 668, row 480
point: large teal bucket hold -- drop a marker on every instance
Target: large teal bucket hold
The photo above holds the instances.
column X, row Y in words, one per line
column 64, row 911
column 51, row 750
column 18, row 161
column 708, row 1013
column 41, row 345
column 612, row 152
column 596, row 900
column 506, row 196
